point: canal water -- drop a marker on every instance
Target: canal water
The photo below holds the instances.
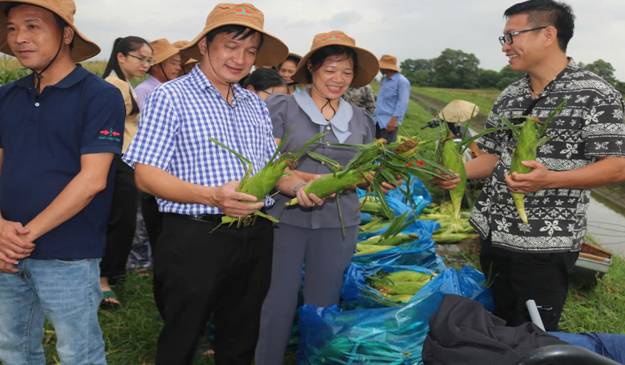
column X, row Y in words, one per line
column 606, row 224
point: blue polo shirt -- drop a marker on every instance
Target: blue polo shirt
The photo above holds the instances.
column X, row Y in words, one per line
column 43, row 138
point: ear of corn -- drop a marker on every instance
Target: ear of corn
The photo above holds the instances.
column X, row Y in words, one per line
column 452, row 159
column 329, row 184
column 264, row 181
column 525, row 150
column 529, row 136
column 394, row 240
column 364, row 249
column 398, row 286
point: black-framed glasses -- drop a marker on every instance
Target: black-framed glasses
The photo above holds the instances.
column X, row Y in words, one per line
column 507, row 38
column 148, row 61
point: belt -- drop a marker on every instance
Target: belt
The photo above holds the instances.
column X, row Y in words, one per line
column 206, row 218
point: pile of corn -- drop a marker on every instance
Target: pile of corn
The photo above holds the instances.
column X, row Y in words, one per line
column 453, row 230
column 399, row 286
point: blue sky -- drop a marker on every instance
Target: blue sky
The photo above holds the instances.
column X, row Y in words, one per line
column 407, row 29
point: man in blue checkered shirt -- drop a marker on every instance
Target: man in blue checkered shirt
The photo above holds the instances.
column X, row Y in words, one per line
column 201, row 269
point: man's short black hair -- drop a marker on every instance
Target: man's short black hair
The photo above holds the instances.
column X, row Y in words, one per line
column 548, row 12
column 240, row 32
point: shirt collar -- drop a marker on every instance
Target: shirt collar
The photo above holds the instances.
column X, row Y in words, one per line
column 393, row 76
column 151, row 80
column 200, row 79
column 77, row 75
column 570, row 67
column 339, row 123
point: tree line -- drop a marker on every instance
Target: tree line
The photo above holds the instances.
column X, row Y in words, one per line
column 460, row 70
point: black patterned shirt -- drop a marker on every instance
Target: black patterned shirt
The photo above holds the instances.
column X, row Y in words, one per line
column 589, row 127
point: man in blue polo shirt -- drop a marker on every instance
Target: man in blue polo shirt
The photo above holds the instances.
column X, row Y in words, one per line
column 392, row 101
column 59, row 129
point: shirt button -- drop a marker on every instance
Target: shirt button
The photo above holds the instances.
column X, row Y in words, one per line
column 37, row 104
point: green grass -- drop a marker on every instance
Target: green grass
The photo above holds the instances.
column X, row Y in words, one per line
column 11, row 70
column 483, row 98
column 601, row 309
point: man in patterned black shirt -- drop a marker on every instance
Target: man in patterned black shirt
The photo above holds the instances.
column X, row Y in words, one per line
column 585, row 150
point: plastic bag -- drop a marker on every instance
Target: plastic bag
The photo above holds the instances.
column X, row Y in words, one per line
column 393, row 335
column 420, row 252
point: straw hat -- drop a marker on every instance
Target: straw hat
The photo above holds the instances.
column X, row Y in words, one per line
column 273, row 50
column 367, row 63
column 162, row 50
column 388, row 62
column 188, row 65
column 180, row 44
column 458, row 111
column 83, row 48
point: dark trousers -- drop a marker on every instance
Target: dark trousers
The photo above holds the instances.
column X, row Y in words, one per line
column 387, row 135
column 152, row 219
column 122, row 223
column 517, row 277
column 199, row 271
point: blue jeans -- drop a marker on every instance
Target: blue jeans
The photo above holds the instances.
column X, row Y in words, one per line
column 68, row 294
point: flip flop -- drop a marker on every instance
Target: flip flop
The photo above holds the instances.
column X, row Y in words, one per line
column 109, row 300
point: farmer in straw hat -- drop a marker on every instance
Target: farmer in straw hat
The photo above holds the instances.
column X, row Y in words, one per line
column 311, row 232
column 201, row 267
column 59, row 129
column 392, row 101
column 167, row 66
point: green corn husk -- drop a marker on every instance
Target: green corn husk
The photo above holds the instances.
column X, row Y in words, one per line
column 453, row 237
column 329, row 184
column 452, row 159
column 264, row 181
column 363, row 249
column 529, row 136
column 394, row 240
column 370, row 204
column 375, row 225
column 394, row 285
column 526, row 150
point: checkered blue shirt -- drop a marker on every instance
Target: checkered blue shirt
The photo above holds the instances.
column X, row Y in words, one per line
column 176, row 122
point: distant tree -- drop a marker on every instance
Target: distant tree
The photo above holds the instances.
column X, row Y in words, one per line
column 420, row 71
column 487, row 79
column 620, row 86
column 456, row 69
column 508, row 76
column 603, row 69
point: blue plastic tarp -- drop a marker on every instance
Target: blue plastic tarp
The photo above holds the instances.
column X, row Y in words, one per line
column 392, row 335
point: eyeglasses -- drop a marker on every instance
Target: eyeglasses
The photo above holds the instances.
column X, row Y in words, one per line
column 507, row 38
column 148, row 61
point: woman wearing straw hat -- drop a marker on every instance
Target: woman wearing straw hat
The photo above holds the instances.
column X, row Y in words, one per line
column 311, row 234
column 59, row 129
column 130, row 58
column 287, row 69
column 203, row 268
column 166, row 66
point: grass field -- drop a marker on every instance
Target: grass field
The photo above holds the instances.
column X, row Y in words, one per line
column 11, row 70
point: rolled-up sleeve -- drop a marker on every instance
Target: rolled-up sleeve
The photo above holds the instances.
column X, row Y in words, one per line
column 155, row 141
